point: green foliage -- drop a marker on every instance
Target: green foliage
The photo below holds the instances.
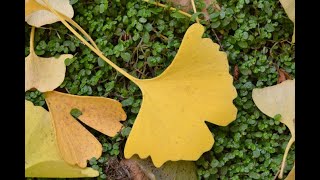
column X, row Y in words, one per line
column 75, row 112
column 144, row 39
column 36, row 97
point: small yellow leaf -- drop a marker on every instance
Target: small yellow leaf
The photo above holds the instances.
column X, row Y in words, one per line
column 195, row 88
column 278, row 99
column 75, row 142
column 291, row 175
column 41, row 152
column 289, row 8
column 37, row 14
column 44, row 74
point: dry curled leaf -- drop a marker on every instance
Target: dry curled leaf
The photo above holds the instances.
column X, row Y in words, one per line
column 75, row 142
column 42, row 157
column 179, row 170
column 136, row 172
column 289, row 8
column 37, row 14
column 44, row 74
column 195, row 88
column 279, row 99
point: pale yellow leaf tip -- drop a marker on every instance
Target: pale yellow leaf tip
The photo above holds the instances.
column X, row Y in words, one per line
column 42, row 158
column 37, row 14
column 195, row 88
column 278, row 99
column 44, row 74
column 289, row 8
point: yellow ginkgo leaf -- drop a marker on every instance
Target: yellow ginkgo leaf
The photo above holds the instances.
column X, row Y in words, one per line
column 279, row 99
column 36, row 13
column 195, row 88
column 42, row 157
column 44, row 74
column 75, row 142
column 289, row 8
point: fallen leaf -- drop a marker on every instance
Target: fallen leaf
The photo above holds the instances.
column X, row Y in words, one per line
column 195, row 88
column 75, row 142
column 179, row 170
column 37, row 14
column 115, row 170
column 44, row 74
column 185, row 5
column 41, row 152
column 289, row 8
column 279, row 99
column 291, row 175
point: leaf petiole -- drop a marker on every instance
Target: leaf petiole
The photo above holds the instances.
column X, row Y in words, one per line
column 32, row 40
column 291, row 141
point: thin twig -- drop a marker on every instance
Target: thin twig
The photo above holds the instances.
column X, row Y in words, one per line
column 162, row 36
column 217, row 39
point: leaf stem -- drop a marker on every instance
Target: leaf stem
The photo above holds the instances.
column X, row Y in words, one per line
column 195, row 10
column 291, row 141
column 32, row 39
column 171, row 8
column 71, row 22
column 98, row 52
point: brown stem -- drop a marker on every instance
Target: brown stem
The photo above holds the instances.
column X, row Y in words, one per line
column 214, row 32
